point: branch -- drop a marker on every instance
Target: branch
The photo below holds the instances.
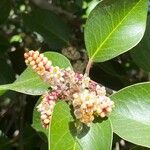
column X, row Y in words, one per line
column 88, row 67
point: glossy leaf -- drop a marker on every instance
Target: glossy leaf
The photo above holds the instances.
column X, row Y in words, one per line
column 91, row 6
column 49, row 25
column 30, row 83
column 98, row 136
column 131, row 115
column 114, row 27
column 141, row 53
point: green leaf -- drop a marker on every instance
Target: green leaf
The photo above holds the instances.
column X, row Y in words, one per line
column 141, row 53
column 49, row 25
column 114, row 27
column 62, row 129
column 131, row 115
column 5, row 7
column 30, row 83
column 91, row 6
column 16, row 38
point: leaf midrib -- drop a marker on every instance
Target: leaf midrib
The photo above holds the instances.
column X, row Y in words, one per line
column 105, row 40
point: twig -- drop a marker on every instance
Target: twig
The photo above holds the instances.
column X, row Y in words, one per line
column 88, row 67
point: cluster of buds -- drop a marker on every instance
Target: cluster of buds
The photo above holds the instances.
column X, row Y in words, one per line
column 46, row 107
column 86, row 96
column 37, row 61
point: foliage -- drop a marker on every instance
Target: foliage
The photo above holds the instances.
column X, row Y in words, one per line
column 87, row 32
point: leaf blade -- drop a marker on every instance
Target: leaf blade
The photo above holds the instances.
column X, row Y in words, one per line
column 132, row 114
column 62, row 129
column 107, row 35
column 88, row 138
column 52, row 28
column 30, row 83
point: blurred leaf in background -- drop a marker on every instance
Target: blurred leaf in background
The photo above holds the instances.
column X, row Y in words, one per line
column 53, row 29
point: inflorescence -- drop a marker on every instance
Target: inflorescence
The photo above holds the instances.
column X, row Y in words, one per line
column 87, row 97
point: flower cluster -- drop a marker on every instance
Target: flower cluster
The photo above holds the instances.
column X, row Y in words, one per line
column 86, row 96
column 37, row 61
column 46, row 107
